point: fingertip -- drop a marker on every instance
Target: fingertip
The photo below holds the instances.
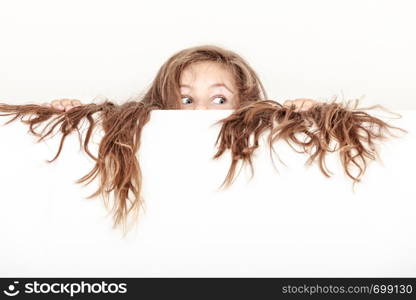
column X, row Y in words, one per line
column 287, row 102
column 76, row 102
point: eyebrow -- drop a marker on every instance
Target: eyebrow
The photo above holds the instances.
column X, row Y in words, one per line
column 214, row 85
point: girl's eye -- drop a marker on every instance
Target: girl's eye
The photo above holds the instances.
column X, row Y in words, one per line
column 186, row 100
column 219, row 100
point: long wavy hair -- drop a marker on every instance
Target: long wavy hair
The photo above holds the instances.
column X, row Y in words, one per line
column 116, row 163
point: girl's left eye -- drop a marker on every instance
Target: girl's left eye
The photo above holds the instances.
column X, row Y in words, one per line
column 219, row 99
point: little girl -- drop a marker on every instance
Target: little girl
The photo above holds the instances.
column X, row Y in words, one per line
column 206, row 77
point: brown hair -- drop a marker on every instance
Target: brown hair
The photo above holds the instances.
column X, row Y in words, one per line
column 118, row 167
column 323, row 128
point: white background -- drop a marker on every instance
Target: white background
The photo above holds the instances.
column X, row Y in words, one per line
column 313, row 49
column 292, row 223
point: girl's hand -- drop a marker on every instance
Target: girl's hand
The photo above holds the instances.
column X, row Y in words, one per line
column 301, row 104
column 63, row 104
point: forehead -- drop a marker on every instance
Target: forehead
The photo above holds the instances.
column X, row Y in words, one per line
column 210, row 72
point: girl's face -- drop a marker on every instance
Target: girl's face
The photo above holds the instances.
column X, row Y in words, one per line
column 207, row 85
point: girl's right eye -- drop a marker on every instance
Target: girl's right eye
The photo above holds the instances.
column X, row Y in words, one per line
column 186, row 100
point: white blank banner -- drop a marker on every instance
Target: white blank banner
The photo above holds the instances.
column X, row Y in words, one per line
column 290, row 223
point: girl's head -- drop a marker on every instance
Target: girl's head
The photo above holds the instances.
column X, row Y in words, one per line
column 208, row 85
column 205, row 77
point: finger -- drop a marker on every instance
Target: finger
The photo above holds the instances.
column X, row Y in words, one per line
column 76, row 103
column 304, row 107
column 59, row 107
column 46, row 104
column 304, row 104
column 311, row 103
column 66, row 102
column 56, row 102
column 68, row 107
column 288, row 103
